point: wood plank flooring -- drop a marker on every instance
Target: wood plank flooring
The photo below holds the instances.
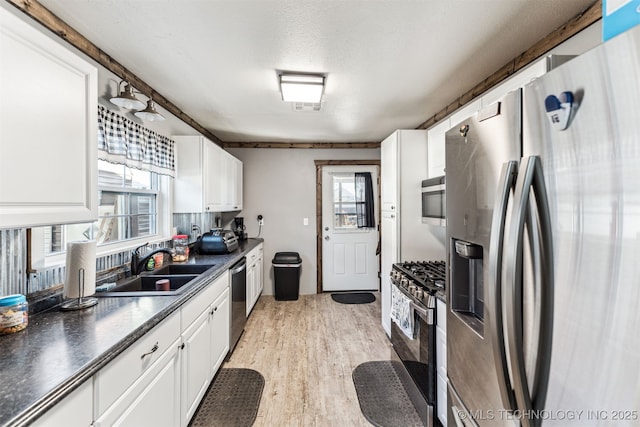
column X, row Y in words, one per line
column 306, row 350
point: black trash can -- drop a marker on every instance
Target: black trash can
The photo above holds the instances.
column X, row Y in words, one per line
column 286, row 275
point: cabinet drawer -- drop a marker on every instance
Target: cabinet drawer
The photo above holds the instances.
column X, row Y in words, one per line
column 117, row 376
column 192, row 309
column 252, row 256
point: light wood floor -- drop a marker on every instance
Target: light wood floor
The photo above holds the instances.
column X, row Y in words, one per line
column 306, row 350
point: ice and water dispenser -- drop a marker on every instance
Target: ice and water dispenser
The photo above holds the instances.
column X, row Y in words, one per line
column 467, row 287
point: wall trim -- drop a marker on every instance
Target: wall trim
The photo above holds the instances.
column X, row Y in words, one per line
column 307, row 145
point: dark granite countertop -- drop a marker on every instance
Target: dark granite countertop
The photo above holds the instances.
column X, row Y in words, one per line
column 59, row 350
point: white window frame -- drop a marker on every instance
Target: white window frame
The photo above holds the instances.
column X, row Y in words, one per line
column 164, row 200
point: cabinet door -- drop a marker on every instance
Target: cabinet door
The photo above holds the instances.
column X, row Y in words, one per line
column 389, row 255
column 196, row 361
column 389, row 173
column 48, row 156
column 189, row 185
column 251, row 286
column 259, row 273
column 153, row 400
column 220, row 316
column 214, row 169
column 435, row 149
column 76, row 410
column 236, row 184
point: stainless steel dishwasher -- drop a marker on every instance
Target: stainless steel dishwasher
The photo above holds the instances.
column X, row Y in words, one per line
column 238, row 277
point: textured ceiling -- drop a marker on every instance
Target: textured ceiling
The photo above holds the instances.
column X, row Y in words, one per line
column 390, row 63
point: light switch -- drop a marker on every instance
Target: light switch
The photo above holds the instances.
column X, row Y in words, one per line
column 305, row 221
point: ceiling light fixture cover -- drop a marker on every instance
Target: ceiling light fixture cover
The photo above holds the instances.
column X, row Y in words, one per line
column 126, row 98
column 150, row 113
column 301, row 87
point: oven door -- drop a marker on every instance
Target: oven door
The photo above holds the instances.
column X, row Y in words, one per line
column 418, row 359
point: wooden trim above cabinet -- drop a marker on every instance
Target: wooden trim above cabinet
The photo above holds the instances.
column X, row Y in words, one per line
column 316, row 145
column 560, row 35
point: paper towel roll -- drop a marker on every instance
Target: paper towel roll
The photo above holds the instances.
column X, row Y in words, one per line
column 80, row 255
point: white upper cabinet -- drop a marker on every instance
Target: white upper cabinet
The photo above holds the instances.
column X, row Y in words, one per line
column 48, row 129
column 435, row 148
column 208, row 179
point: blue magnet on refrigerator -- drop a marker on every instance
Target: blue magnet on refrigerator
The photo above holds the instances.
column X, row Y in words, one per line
column 559, row 109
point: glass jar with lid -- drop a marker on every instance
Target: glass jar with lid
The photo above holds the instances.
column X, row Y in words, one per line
column 14, row 313
column 180, row 248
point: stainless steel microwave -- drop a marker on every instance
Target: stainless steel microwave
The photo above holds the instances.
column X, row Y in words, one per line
column 434, row 201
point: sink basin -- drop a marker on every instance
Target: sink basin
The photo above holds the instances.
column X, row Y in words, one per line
column 182, row 269
column 146, row 286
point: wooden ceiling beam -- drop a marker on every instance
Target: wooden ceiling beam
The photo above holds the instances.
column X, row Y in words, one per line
column 578, row 23
column 292, row 144
column 45, row 17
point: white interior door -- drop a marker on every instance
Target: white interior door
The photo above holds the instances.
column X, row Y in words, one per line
column 349, row 260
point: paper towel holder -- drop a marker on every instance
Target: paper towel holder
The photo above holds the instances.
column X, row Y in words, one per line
column 81, row 302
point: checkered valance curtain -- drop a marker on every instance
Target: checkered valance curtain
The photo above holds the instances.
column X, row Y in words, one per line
column 125, row 142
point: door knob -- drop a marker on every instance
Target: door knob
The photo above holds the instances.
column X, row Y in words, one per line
column 326, row 229
column 326, row 237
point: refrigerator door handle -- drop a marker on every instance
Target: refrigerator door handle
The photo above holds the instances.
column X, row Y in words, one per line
column 494, row 304
column 530, row 400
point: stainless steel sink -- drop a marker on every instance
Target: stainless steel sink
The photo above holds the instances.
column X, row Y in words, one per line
column 171, row 269
column 180, row 277
column 146, row 286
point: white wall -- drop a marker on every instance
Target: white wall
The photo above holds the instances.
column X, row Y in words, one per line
column 280, row 184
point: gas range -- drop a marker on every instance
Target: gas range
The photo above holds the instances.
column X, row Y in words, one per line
column 420, row 279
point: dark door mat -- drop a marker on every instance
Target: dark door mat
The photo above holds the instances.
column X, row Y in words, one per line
column 354, row 298
column 383, row 399
column 232, row 400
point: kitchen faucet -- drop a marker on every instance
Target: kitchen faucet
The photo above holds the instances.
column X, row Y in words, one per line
column 137, row 264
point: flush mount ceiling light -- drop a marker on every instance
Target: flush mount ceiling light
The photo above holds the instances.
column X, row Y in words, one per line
column 150, row 113
column 301, row 87
column 126, row 98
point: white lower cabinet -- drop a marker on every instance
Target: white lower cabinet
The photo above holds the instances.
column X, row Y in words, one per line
column 220, row 327
column 441, row 362
column 161, row 379
column 195, row 365
column 205, row 338
column 74, row 411
column 255, row 285
column 153, row 399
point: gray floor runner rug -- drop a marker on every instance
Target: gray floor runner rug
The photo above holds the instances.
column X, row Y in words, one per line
column 232, row 400
column 382, row 397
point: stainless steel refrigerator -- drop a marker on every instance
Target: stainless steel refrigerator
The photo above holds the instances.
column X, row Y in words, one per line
column 543, row 228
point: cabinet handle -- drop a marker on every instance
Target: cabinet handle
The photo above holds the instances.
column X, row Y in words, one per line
column 153, row 350
column 182, row 346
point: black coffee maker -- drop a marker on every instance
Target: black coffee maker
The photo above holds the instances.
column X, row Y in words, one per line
column 239, row 228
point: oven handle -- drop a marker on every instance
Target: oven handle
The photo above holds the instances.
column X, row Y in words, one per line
column 425, row 314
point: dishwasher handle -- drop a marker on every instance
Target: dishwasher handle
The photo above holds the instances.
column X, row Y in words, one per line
column 239, row 266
